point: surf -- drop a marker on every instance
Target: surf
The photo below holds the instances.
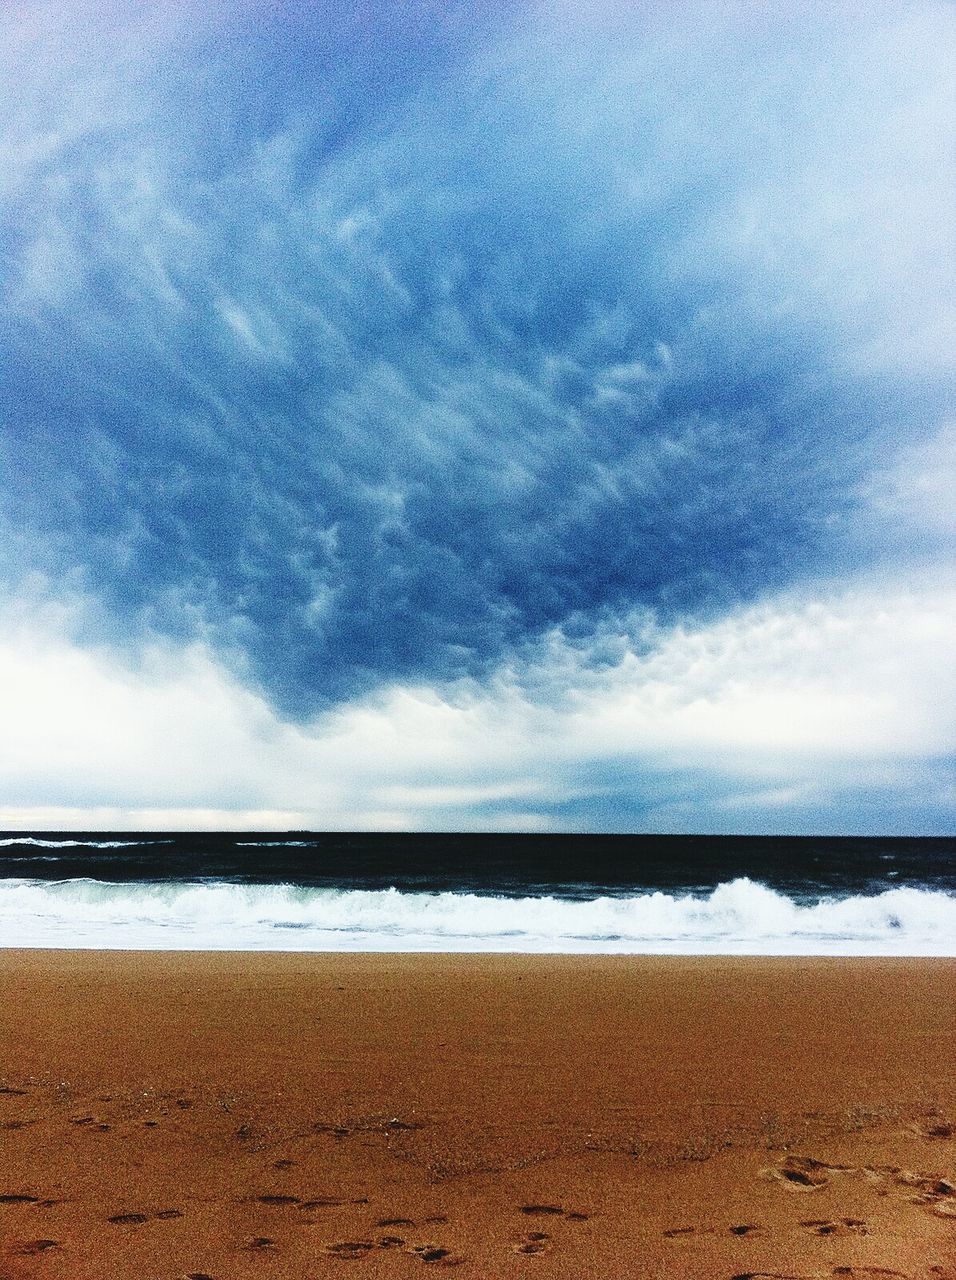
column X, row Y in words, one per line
column 741, row 916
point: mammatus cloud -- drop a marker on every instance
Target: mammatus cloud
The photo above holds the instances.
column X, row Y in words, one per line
column 834, row 714
column 521, row 416
column 363, row 375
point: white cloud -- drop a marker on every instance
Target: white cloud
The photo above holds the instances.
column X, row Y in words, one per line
column 819, row 187
column 767, row 710
column 859, row 674
column 917, row 489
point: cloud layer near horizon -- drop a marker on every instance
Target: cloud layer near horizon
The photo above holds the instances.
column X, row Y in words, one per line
column 830, row 716
column 419, row 350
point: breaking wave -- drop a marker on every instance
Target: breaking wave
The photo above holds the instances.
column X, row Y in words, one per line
column 739, row 917
column 37, row 842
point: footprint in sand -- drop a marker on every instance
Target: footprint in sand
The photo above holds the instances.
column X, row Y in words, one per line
column 936, row 1129
column 740, row 1229
column 849, row 1273
column 553, row 1210
column 15, row 1197
column 336, row 1130
column 869, row 1273
column 261, row 1242
column 534, row 1242
column 928, row 1189
column 136, row 1219
column 90, row 1122
column 437, row 1254
column 354, row 1250
column 843, row 1227
column 277, row 1199
column 539, row 1242
column 350, row 1249
column 766, row 1275
column 31, row 1248
column 803, row 1173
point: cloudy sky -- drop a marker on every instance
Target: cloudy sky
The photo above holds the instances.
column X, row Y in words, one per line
column 478, row 415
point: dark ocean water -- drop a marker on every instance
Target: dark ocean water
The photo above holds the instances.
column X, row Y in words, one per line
column 308, row 891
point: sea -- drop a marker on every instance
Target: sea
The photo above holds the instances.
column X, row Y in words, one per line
column 601, row 894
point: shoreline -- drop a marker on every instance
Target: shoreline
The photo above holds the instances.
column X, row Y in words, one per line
column 234, row 1114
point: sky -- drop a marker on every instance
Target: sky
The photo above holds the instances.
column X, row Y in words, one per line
column 497, row 416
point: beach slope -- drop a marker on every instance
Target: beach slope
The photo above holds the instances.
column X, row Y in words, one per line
column 172, row 1115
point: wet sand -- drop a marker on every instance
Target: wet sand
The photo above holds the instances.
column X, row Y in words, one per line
column 233, row 1116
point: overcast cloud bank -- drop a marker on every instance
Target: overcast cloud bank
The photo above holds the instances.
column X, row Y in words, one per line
column 528, row 417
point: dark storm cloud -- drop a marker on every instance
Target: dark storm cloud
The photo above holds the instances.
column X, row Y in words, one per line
column 373, row 352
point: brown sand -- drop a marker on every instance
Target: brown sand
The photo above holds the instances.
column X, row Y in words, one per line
column 240, row 1116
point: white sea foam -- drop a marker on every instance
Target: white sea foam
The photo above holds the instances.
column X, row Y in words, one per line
column 78, row 844
column 276, row 844
column 741, row 917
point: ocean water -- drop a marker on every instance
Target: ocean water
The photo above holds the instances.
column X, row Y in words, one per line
column 600, row 894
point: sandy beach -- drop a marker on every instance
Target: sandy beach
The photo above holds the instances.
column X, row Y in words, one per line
column 232, row 1116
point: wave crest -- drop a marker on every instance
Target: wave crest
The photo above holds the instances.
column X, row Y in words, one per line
column 739, row 917
column 40, row 843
